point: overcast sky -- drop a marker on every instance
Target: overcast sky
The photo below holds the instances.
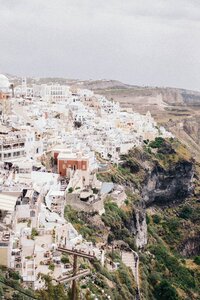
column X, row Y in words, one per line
column 144, row 42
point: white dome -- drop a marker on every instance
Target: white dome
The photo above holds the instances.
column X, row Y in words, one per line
column 4, row 82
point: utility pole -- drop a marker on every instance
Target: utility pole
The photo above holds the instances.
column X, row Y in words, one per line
column 76, row 275
column 74, row 291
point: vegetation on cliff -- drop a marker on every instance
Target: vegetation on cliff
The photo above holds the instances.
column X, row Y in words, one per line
column 162, row 262
column 170, row 263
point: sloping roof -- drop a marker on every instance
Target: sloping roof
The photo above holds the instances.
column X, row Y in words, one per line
column 8, row 201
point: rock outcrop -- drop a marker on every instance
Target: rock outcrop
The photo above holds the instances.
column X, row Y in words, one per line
column 190, row 246
column 174, row 184
column 141, row 228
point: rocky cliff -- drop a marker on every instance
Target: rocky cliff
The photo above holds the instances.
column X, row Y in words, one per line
column 167, row 185
column 163, row 171
column 190, row 245
column 158, row 222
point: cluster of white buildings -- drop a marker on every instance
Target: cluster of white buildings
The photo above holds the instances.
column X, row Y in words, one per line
column 49, row 138
column 52, row 110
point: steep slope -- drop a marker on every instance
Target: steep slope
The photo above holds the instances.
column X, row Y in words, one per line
column 159, row 221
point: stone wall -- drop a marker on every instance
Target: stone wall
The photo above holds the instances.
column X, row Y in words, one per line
column 74, row 201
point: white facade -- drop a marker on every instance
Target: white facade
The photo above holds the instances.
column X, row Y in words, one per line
column 54, row 92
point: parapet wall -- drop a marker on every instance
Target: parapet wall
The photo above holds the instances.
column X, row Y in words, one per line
column 74, row 201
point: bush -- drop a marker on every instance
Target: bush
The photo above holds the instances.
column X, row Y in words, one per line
column 156, row 219
column 154, row 278
column 172, row 231
column 34, row 233
column 147, row 219
column 126, row 202
column 70, row 190
column 185, row 212
column 71, row 214
column 165, row 291
column 157, row 143
column 64, row 259
column 51, row 267
column 14, row 275
column 197, row 260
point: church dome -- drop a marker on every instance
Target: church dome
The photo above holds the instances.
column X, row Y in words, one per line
column 4, row 82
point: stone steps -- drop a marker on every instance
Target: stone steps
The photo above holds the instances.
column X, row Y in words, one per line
column 129, row 260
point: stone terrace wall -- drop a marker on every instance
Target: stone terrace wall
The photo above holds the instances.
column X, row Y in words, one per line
column 74, row 201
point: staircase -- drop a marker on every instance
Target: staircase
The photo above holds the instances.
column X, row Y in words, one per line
column 131, row 260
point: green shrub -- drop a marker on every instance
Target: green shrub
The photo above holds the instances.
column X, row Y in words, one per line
column 197, row 260
column 165, row 291
column 157, row 143
column 185, row 212
column 34, row 233
column 14, row 275
column 154, row 277
column 70, row 190
column 156, row 219
column 147, row 219
column 126, row 202
column 51, row 267
column 64, row 259
column 171, row 228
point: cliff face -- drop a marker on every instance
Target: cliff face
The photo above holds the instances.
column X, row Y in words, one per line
column 174, row 184
column 163, row 174
column 190, row 246
column 141, row 229
column 163, row 171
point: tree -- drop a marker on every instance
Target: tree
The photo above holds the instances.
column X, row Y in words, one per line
column 165, row 291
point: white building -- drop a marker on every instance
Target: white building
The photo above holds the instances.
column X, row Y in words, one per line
column 54, row 92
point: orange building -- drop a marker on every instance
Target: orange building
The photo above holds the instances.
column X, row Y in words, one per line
column 71, row 161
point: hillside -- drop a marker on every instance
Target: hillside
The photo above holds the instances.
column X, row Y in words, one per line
column 162, row 189
column 177, row 109
column 151, row 241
